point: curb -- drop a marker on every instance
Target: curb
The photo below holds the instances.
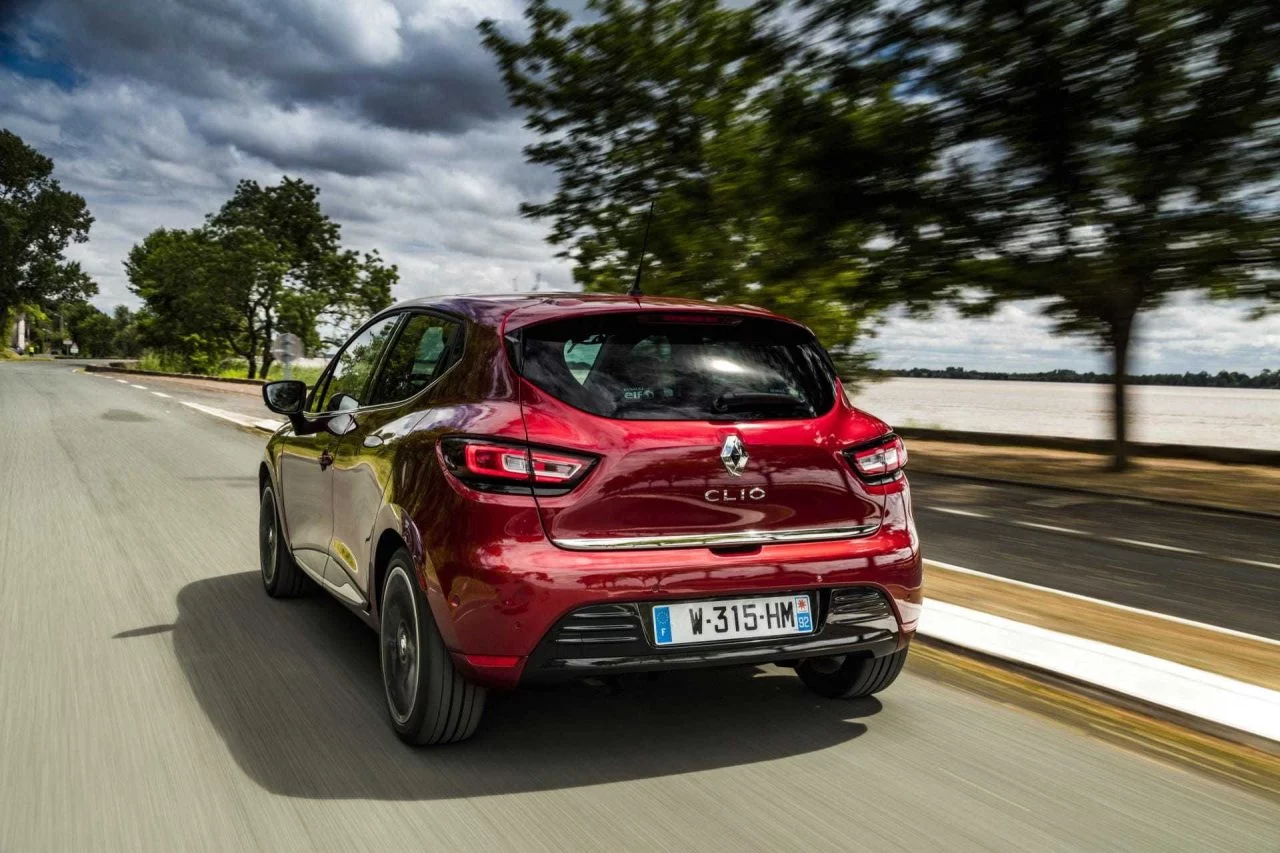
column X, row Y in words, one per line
column 233, row 380
column 1223, row 702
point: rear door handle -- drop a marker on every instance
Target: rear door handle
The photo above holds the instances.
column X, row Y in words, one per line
column 326, row 459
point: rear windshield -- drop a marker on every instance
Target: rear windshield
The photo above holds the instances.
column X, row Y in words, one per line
column 665, row 367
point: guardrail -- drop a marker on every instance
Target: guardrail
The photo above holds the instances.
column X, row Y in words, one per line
column 1101, row 447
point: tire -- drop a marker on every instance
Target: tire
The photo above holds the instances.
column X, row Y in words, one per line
column 850, row 676
column 428, row 700
column 281, row 577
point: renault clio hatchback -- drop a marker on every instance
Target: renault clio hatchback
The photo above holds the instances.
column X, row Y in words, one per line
column 531, row 488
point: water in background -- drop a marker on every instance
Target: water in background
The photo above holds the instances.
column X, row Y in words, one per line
column 1223, row 417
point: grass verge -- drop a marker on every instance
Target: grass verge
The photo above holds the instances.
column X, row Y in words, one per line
column 235, row 369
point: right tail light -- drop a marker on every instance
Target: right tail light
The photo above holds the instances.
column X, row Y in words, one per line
column 880, row 461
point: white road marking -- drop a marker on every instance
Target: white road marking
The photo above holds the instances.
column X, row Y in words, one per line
column 1260, row 563
column 1137, row 543
column 1051, row 528
column 246, row 421
column 1140, row 544
column 162, row 394
column 1226, row 701
column 123, row 381
column 966, row 513
column 139, row 387
column 1138, row 610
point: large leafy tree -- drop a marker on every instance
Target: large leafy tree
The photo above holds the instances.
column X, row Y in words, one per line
column 38, row 220
column 679, row 103
column 1103, row 154
column 269, row 261
column 126, row 338
column 90, row 329
column 188, row 314
column 298, row 277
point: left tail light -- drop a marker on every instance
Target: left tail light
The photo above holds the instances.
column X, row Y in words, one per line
column 513, row 467
column 880, row 461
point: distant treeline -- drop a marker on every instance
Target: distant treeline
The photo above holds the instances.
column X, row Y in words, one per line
column 1222, row 379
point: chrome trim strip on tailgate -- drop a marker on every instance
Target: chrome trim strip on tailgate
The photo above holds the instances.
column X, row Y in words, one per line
column 718, row 540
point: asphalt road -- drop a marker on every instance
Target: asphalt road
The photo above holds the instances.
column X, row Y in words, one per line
column 1219, row 568
column 153, row 698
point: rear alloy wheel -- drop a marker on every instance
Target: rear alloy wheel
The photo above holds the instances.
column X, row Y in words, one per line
column 427, row 698
column 281, row 577
column 850, row 676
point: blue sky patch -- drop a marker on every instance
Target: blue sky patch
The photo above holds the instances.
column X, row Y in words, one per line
column 13, row 58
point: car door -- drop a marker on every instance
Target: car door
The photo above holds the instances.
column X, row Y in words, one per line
column 425, row 345
column 306, row 481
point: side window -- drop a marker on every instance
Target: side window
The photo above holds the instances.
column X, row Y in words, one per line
column 425, row 347
column 351, row 370
column 580, row 356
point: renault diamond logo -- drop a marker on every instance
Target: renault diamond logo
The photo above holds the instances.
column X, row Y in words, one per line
column 734, row 455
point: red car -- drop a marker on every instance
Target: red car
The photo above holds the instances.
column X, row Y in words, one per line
column 529, row 488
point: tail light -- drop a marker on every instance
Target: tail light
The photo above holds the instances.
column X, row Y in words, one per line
column 880, row 461
column 513, row 467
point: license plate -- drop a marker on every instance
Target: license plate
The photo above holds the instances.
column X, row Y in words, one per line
column 731, row 619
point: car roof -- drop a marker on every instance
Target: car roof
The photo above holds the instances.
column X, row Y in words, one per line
column 516, row 310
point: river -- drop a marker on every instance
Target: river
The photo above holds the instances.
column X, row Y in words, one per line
column 1223, row 417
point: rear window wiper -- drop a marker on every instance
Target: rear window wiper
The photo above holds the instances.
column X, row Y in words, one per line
column 733, row 401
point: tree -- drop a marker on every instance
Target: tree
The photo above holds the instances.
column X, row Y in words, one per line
column 284, row 269
column 629, row 108
column 38, row 220
column 125, row 338
column 267, row 262
column 1102, row 155
column 722, row 119
column 91, row 330
column 187, row 316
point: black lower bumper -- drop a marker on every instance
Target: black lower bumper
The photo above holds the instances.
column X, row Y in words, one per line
column 611, row 639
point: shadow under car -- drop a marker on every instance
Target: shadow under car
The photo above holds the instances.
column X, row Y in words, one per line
column 293, row 688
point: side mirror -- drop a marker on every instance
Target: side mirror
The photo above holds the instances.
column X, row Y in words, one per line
column 287, row 397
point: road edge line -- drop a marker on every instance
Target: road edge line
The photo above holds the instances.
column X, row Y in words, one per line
column 260, row 425
column 1191, row 623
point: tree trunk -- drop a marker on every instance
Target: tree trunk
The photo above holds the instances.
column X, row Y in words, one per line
column 1121, row 333
column 268, row 339
column 253, row 365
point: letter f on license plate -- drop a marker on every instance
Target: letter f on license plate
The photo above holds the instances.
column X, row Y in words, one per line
column 731, row 619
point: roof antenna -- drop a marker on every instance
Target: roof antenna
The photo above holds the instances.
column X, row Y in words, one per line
column 635, row 287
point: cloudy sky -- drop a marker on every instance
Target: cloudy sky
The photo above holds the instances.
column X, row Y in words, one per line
column 153, row 109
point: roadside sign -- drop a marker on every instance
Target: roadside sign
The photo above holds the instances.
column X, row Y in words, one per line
column 75, row 350
column 287, row 348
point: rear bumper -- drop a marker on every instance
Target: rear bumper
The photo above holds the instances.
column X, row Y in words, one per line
column 499, row 614
column 618, row 638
